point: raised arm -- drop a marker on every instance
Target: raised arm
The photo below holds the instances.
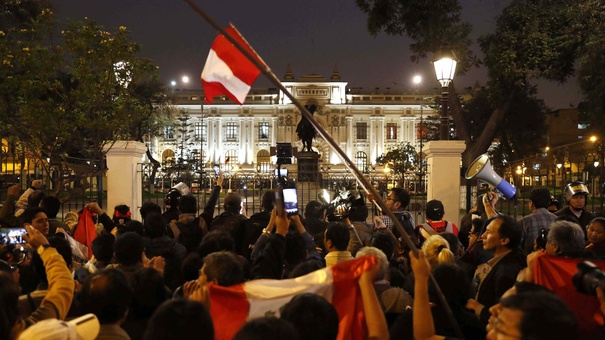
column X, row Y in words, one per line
column 424, row 326
column 208, row 212
column 61, row 284
column 375, row 320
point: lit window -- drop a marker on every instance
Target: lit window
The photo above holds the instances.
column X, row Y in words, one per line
column 391, row 131
column 200, row 131
column 168, row 132
column 361, row 160
column 263, row 130
column 231, row 131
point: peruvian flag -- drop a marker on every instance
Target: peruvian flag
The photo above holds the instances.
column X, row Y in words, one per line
column 85, row 231
column 555, row 273
column 227, row 70
column 231, row 307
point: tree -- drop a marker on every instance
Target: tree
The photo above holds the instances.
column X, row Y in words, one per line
column 66, row 97
column 400, row 159
column 534, row 39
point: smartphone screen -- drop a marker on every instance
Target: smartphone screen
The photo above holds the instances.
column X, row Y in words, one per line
column 217, row 170
column 290, row 201
column 12, row 235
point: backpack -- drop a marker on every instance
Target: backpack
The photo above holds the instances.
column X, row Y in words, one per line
column 190, row 234
column 406, row 222
column 235, row 225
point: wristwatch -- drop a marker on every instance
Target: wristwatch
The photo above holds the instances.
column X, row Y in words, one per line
column 266, row 232
column 42, row 248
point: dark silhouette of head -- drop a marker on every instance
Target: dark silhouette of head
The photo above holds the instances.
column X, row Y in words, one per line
column 107, row 295
column 149, row 207
column 312, row 315
column 188, row 205
column 267, row 328
column 128, row 249
column 540, row 197
column 51, row 206
column 180, row 319
column 338, row 234
column 154, row 225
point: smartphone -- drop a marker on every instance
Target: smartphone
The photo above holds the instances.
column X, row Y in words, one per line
column 217, row 170
column 12, row 235
column 290, row 201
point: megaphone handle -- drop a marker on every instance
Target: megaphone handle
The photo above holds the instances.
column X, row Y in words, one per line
column 489, row 202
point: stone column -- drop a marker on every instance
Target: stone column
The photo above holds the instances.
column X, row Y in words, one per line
column 124, row 180
column 443, row 183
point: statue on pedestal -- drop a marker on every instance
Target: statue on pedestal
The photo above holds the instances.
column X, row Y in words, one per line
column 305, row 130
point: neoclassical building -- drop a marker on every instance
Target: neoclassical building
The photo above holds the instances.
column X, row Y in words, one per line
column 365, row 125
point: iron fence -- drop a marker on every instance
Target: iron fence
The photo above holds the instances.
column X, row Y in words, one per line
column 251, row 186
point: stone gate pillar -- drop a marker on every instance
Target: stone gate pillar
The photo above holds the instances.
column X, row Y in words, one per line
column 443, row 159
column 124, row 181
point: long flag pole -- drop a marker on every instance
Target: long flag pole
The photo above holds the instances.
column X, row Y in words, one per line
column 320, row 130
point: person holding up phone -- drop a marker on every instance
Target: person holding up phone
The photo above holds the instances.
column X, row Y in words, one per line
column 60, row 294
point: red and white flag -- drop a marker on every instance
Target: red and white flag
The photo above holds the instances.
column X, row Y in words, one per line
column 227, row 70
column 231, row 307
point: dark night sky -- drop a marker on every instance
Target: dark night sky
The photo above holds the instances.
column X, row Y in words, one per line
column 310, row 35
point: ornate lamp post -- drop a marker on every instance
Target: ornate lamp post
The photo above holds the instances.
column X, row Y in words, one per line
column 445, row 67
column 417, row 80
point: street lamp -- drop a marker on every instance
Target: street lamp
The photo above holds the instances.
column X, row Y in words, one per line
column 445, row 68
column 417, row 80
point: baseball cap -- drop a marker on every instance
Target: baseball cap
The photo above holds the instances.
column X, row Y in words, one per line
column 85, row 327
column 434, row 210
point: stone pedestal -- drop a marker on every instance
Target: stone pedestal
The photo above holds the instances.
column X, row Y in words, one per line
column 443, row 182
column 124, row 180
column 308, row 168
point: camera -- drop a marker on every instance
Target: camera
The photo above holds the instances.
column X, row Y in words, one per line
column 588, row 278
column 339, row 207
column 284, row 153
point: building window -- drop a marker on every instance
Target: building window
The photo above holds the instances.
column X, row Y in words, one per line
column 361, row 128
column 168, row 132
column 200, row 131
column 361, row 160
column 263, row 130
column 263, row 161
column 391, row 130
column 231, row 131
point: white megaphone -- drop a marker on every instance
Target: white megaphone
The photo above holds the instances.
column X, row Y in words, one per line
column 482, row 169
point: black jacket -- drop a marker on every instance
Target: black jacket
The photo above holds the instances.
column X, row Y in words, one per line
column 499, row 279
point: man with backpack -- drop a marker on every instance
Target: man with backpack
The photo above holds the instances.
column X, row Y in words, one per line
column 397, row 201
column 232, row 221
column 435, row 224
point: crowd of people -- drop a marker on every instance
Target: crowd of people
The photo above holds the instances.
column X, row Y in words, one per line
column 154, row 278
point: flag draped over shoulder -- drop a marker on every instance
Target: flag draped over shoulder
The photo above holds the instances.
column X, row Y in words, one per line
column 85, row 231
column 227, row 71
column 231, row 307
column 555, row 273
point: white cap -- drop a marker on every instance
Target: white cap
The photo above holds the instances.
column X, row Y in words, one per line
column 85, row 327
